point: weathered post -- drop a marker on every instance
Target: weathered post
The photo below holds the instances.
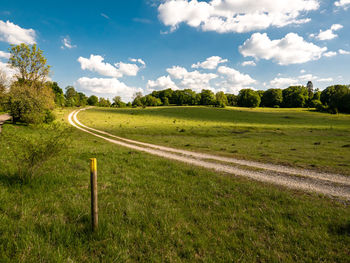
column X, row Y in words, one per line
column 93, row 182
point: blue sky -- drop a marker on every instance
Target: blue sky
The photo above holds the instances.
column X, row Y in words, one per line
column 111, row 48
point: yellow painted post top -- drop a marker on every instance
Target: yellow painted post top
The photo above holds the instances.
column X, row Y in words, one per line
column 93, row 165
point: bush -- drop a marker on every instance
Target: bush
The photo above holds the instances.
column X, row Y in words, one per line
column 29, row 103
column 30, row 154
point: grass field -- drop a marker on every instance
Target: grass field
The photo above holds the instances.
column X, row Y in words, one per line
column 152, row 209
column 295, row 137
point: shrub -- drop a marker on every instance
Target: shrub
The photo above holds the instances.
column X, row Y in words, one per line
column 30, row 154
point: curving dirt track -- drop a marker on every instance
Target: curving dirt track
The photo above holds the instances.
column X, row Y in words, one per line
column 334, row 185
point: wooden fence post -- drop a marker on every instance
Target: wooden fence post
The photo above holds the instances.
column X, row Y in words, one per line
column 93, row 182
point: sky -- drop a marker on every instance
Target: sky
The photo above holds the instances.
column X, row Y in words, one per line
column 117, row 48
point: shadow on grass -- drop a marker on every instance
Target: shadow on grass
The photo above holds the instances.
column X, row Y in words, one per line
column 341, row 229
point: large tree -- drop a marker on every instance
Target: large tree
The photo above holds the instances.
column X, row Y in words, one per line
column 30, row 63
column 248, row 98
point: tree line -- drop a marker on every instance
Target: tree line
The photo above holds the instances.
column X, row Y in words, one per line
column 333, row 99
column 30, row 97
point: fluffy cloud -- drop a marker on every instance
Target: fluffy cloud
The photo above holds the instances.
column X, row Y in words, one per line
column 210, row 63
column 66, row 43
column 248, row 63
column 343, row 52
column 95, row 63
column 234, row 15
column 4, row 54
column 284, row 82
column 14, row 34
column 107, row 86
column 329, row 33
column 292, row 49
column 325, row 80
column 138, row 60
column 7, row 70
column 233, row 80
column 163, row 82
column 192, row 80
column 342, row 3
column 330, row 54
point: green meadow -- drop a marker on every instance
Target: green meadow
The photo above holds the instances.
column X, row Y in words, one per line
column 156, row 210
column 295, row 137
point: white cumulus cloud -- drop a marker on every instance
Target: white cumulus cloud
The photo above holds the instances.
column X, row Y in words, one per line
column 138, row 60
column 14, row 34
column 210, row 63
column 4, row 54
column 330, row 54
column 292, row 49
column 343, row 52
column 95, row 63
column 284, row 82
column 161, row 83
column 342, row 3
column 234, row 15
column 107, row 87
column 329, row 33
column 248, row 63
column 233, row 80
column 194, row 80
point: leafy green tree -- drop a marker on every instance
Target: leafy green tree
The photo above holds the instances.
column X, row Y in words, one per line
column 59, row 96
column 137, row 99
column 81, row 99
column 207, row 97
column 221, row 99
column 92, row 100
column 295, row 97
column 31, row 64
column 336, row 98
column 272, row 98
column 117, row 102
column 231, row 99
column 29, row 99
column 104, row 102
column 248, row 98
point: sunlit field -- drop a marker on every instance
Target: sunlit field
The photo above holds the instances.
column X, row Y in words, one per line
column 295, row 137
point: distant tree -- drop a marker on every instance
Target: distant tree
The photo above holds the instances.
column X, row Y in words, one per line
column 92, row 100
column 272, row 98
column 207, row 97
column 248, row 98
column 137, row 99
column 149, row 100
column 104, row 102
column 30, row 63
column 295, row 97
column 231, row 99
column 221, row 99
column 3, row 84
column 81, row 99
column 310, row 89
column 336, row 98
column 118, row 103
column 71, row 96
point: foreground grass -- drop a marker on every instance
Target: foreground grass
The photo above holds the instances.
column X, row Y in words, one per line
column 295, row 137
column 152, row 209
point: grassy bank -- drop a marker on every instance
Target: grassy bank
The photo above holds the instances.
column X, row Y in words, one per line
column 295, row 137
column 152, row 209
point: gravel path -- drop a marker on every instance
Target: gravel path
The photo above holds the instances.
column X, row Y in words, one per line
column 325, row 183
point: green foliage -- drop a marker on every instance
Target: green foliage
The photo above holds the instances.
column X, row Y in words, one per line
column 118, row 103
column 104, row 102
column 221, row 99
column 232, row 99
column 59, row 96
column 295, row 97
column 272, row 98
column 30, row 62
column 207, row 97
column 31, row 153
column 149, row 100
column 336, row 98
column 92, row 100
column 29, row 104
column 248, row 98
